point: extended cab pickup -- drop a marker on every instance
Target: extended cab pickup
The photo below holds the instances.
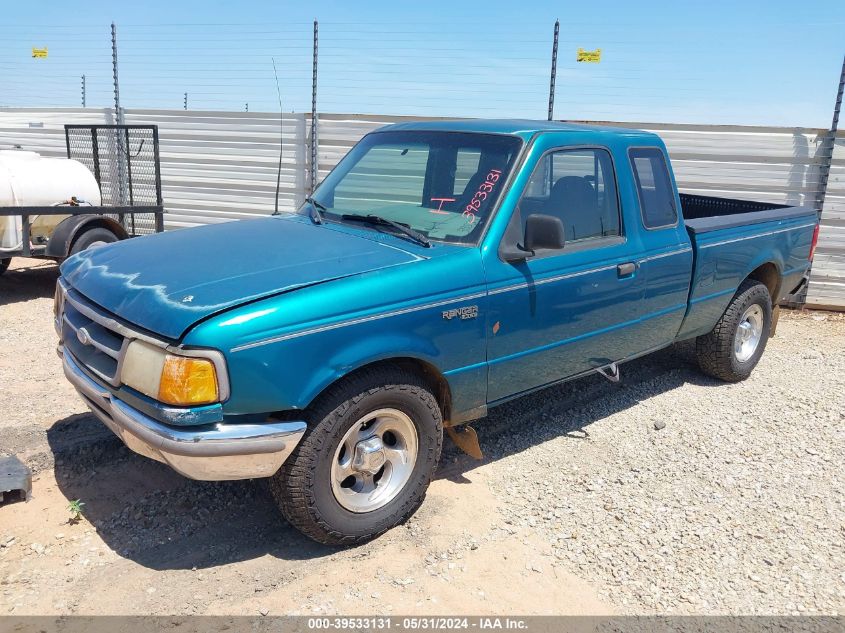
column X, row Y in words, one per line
column 441, row 268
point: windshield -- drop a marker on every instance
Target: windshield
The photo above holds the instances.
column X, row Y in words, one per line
column 441, row 184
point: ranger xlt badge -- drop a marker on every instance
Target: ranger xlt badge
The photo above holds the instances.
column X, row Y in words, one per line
column 465, row 312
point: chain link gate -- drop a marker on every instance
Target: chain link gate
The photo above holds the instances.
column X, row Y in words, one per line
column 125, row 162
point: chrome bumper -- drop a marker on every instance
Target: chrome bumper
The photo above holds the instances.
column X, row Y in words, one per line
column 225, row 451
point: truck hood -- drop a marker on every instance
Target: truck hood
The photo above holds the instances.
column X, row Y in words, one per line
column 165, row 283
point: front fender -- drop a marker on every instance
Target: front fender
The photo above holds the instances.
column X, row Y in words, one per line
column 361, row 353
column 284, row 351
column 290, row 374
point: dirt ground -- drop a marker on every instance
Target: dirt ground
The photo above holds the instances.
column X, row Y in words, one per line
column 152, row 542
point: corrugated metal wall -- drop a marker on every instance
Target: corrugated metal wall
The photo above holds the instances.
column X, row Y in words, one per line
column 42, row 129
column 827, row 282
column 218, row 166
column 215, row 166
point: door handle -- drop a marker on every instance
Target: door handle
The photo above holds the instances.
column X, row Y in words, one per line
column 626, row 270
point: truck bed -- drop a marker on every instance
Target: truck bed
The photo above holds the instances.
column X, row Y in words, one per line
column 731, row 238
column 703, row 214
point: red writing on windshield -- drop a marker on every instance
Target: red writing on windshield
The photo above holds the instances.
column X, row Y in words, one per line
column 484, row 190
column 439, row 209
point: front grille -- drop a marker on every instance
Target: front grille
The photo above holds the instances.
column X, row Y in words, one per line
column 90, row 336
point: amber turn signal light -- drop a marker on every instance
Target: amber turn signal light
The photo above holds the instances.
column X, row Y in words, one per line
column 187, row 381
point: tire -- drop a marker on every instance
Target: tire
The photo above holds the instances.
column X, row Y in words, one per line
column 4, row 264
column 308, row 488
column 720, row 353
column 93, row 237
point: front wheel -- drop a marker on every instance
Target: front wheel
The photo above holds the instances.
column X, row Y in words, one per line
column 4, row 264
column 372, row 446
column 734, row 347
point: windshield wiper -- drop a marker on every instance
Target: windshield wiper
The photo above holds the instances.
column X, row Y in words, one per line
column 380, row 221
column 316, row 207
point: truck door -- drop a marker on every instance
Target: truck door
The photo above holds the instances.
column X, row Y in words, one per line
column 563, row 312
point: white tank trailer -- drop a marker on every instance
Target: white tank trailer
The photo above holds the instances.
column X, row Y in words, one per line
column 28, row 179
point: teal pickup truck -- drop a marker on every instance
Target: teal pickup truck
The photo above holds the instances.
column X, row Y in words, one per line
column 440, row 269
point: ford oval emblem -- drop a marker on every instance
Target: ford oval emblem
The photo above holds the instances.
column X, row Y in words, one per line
column 83, row 336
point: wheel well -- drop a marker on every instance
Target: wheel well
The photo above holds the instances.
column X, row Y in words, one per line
column 429, row 373
column 769, row 276
column 69, row 230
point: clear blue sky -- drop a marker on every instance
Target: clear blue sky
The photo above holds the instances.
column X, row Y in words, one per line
column 772, row 62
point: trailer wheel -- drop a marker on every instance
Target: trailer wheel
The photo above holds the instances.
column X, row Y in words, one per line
column 733, row 348
column 92, row 238
column 4, row 264
column 369, row 455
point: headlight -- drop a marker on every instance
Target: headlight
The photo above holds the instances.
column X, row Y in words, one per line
column 169, row 378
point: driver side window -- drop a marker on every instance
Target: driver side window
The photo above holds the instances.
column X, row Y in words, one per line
column 577, row 186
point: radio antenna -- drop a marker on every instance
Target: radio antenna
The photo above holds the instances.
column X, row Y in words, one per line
column 281, row 138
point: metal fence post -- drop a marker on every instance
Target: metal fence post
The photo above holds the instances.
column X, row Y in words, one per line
column 554, row 72
column 83, row 91
column 122, row 183
column 118, row 113
column 314, row 162
column 829, row 144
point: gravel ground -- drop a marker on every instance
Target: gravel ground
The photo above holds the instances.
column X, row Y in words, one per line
column 735, row 506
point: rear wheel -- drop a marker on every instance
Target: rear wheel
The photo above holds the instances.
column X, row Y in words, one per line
column 92, row 238
column 4, row 264
column 369, row 455
column 734, row 347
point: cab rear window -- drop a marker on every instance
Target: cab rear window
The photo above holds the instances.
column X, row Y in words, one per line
column 654, row 187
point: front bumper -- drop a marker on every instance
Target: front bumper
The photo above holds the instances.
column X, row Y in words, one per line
column 212, row 452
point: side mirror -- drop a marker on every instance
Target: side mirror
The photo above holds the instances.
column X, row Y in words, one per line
column 543, row 231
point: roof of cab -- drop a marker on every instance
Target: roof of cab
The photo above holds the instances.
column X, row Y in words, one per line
column 524, row 128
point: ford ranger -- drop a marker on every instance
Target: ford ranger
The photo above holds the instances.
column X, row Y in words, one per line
column 440, row 269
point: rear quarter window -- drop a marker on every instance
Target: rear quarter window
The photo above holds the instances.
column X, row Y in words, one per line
column 654, row 187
